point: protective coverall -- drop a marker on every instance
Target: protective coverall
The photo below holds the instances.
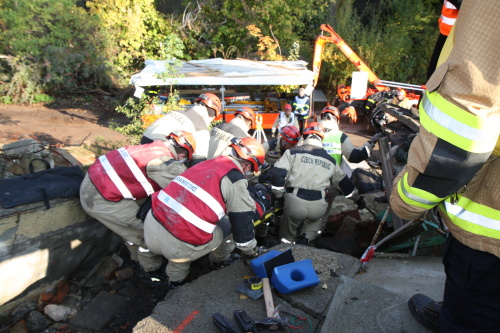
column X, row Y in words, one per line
column 193, row 120
column 282, row 120
column 186, row 220
column 453, row 165
column 117, row 183
column 305, row 172
column 221, row 136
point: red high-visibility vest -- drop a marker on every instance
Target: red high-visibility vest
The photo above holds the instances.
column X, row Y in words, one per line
column 121, row 174
column 192, row 204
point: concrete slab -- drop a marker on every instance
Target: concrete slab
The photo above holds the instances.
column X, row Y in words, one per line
column 329, row 266
column 407, row 276
column 359, row 307
column 190, row 307
column 99, row 312
column 194, row 304
column 340, row 303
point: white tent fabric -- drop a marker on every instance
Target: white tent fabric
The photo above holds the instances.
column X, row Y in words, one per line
column 221, row 72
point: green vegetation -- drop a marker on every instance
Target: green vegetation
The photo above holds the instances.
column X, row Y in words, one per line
column 53, row 48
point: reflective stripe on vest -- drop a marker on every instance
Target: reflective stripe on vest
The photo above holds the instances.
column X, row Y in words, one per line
column 134, row 168
column 136, row 171
column 416, row 197
column 185, row 213
column 473, row 217
column 202, row 195
column 301, row 103
column 115, row 178
column 456, row 126
column 331, row 143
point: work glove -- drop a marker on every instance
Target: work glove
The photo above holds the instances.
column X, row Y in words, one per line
column 273, row 132
column 369, row 145
column 374, row 139
column 379, row 120
column 262, row 195
column 361, row 203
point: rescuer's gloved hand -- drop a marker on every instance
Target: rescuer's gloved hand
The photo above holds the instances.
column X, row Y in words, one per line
column 375, row 138
column 262, row 195
column 273, row 132
column 369, row 145
column 379, row 120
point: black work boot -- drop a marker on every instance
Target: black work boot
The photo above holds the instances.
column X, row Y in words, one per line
column 154, row 279
column 261, row 241
column 302, row 240
column 426, row 311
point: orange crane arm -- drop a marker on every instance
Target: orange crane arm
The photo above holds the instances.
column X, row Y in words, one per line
column 346, row 49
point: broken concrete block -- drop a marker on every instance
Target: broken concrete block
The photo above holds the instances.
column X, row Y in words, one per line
column 19, row 148
column 36, row 321
column 107, row 268
column 59, row 312
column 19, row 327
column 21, row 311
column 98, row 313
column 124, row 274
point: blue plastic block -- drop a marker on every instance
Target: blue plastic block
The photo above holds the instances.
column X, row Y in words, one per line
column 295, row 276
column 257, row 264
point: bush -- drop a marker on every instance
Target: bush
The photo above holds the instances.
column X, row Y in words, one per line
column 134, row 29
column 56, row 49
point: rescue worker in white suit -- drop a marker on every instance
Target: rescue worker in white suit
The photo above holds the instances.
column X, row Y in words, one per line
column 118, row 181
column 194, row 120
column 285, row 118
column 186, row 219
column 305, row 172
column 221, row 135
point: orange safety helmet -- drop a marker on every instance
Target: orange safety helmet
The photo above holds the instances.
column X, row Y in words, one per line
column 290, row 133
column 402, row 92
column 247, row 113
column 211, row 101
column 331, row 109
column 315, row 128
column 185, row 140
column 250, row 150
column 287, row 107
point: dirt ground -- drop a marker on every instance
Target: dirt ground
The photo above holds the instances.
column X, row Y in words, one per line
column 72, row 122
column 82, row 120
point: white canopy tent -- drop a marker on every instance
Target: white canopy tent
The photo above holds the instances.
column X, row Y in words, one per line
column 221, row 72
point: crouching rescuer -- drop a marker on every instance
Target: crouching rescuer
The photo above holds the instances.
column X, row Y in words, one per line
column 118, row 182
column 305, row 172
column 187, row 218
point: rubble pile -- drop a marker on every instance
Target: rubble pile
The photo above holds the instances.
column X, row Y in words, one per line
column 106, row 296
column 16, row 157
